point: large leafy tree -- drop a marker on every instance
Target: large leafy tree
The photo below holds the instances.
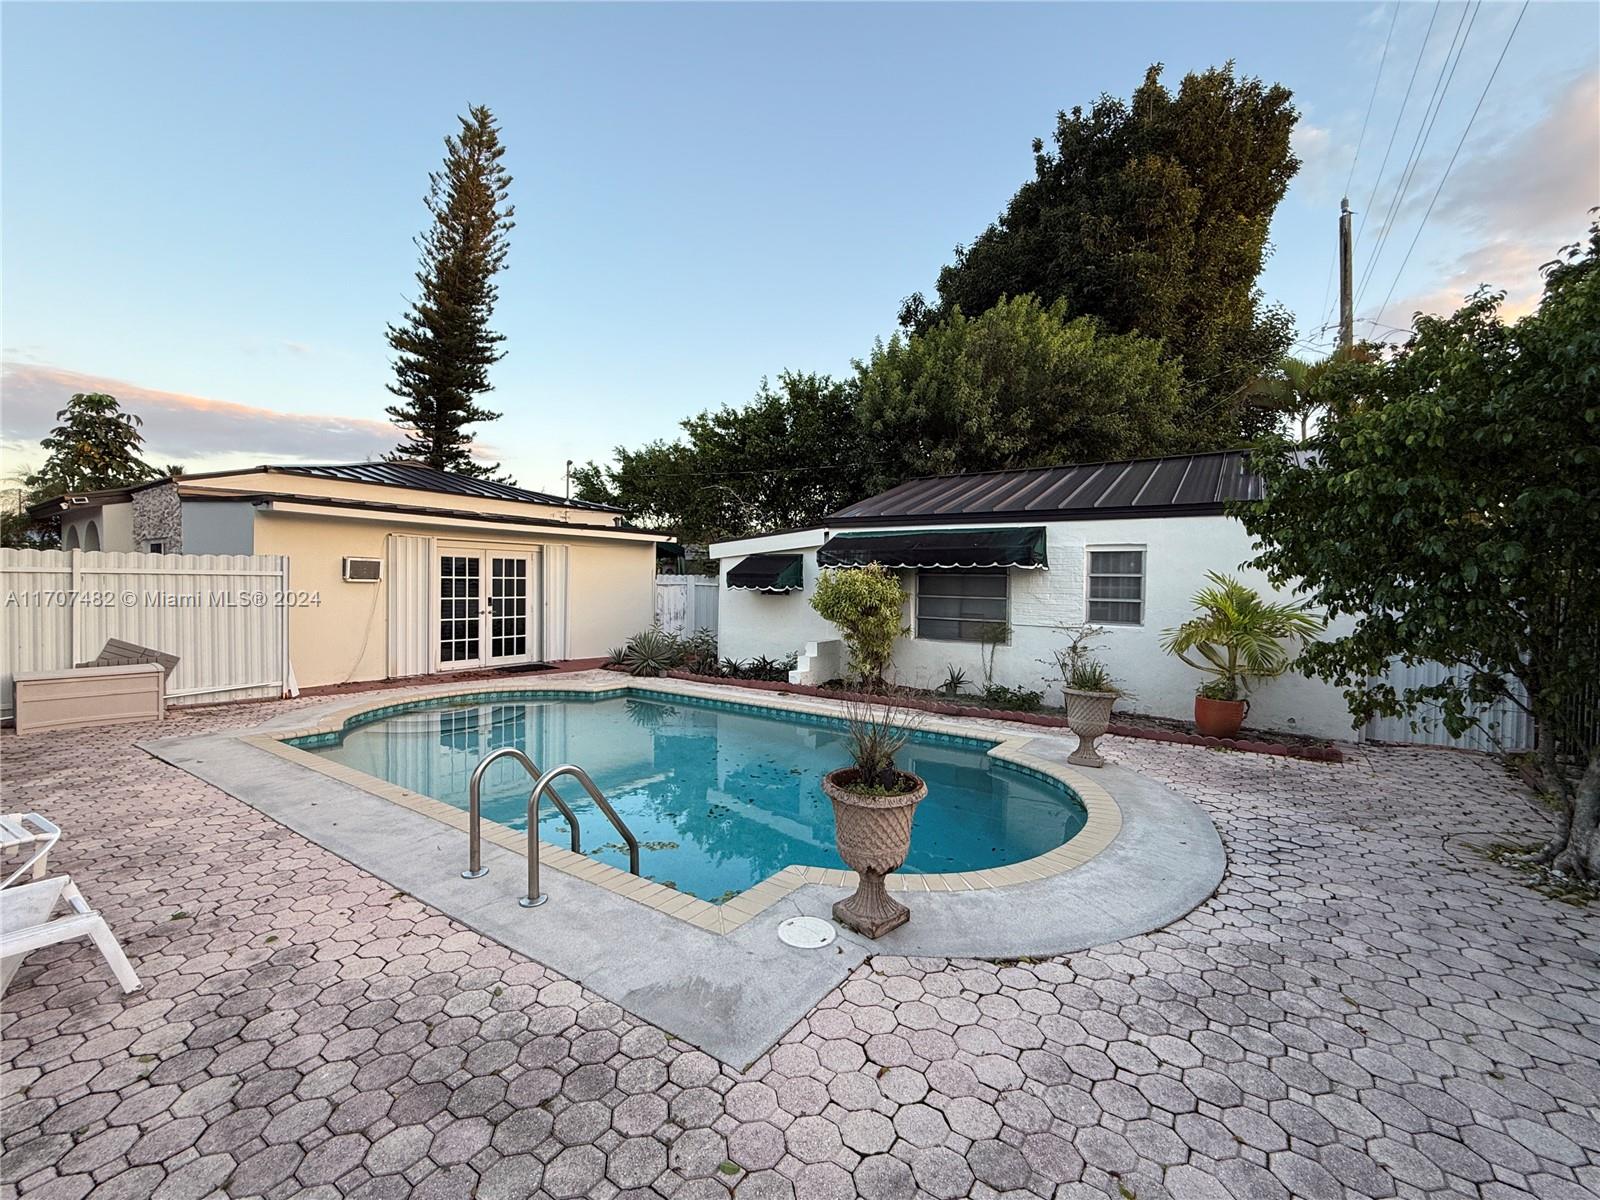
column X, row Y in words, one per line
column 1449, row 502
column 443, row 346
column 94, row 445
column 1151, row 214
column 789, row 457
column 1019, row 385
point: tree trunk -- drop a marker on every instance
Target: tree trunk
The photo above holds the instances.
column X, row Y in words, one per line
column 1580, row 856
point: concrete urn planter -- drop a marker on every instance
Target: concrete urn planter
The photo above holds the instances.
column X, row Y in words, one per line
column 874, row 836
column 1088, row 715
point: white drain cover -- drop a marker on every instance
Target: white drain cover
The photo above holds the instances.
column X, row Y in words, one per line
column 808, row 933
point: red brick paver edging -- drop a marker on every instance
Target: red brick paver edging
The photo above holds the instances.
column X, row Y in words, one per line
column 1324, row 753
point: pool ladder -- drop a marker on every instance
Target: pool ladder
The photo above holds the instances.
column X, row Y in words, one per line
column 543, row 785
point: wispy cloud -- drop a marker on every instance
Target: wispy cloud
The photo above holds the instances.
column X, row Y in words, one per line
column 1323, row 162
column 1541, row 181
column 197, row 431
column 1513, row 203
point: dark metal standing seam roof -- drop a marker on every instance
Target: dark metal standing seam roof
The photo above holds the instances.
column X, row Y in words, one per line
column 417, row 476
column 1184, row 485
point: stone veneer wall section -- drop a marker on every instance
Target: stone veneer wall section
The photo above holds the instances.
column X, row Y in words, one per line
column 158, row 516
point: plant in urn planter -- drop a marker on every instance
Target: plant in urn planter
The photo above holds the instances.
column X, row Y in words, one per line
column 873, row 804
column 1239, row 637
column 1087, row 690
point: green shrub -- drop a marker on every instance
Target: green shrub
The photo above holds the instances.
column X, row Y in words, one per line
column 865, row 604
column 700, row 652
column 997, row 695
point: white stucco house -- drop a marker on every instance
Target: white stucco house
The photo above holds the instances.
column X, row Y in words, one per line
column 1123, row 545
column 398, row 570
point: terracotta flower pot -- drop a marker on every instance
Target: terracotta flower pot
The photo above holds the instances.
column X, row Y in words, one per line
column 1219, row 718
column 874, row 836
column 1088, row 715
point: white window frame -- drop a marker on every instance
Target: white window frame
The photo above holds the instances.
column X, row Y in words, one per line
column 1144, row 582
column 916, row 607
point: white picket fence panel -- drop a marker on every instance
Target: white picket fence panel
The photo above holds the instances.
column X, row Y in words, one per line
column 223, row 615
column 686, row 603
column 1502, row 728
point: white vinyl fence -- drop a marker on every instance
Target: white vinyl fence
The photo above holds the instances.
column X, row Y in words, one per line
column 223, row 615
column 1503, row 728
column 686, row 603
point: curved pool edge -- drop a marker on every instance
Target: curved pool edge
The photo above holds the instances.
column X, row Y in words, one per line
column 1103, row 820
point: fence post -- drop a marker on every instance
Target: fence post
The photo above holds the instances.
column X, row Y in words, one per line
column 74, row 620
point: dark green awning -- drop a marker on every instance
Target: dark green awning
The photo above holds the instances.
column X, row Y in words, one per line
column 1008, row 546
column 767, row 573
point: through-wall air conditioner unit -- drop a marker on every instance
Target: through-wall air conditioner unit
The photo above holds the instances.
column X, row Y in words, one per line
column 363, row 570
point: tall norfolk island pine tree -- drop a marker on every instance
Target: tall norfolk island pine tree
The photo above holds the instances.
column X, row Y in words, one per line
column 443, row 346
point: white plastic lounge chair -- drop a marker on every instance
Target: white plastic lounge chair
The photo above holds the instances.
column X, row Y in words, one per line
column 26, row 924
column 16, row 837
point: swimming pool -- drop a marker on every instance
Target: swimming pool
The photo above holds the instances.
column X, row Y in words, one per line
column 720, row 795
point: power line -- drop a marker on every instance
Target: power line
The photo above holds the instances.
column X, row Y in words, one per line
column 1448, row 166
column 1399, row 117
column 1377, row 79
column 1327, row 287
column 1441, row 88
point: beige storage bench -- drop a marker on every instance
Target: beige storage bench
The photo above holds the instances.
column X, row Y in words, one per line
column 90, row 696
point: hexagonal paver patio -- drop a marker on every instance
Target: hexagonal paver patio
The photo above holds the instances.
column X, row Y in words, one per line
column 1364, row 1008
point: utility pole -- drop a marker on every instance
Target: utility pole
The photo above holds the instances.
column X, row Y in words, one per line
column 569, row 479
column 1347, row 314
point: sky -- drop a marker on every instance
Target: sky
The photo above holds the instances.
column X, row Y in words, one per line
column 208, row 209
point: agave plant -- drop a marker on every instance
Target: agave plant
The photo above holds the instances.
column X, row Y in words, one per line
column 955, row 679
column 1237, row 637
column 653, row 652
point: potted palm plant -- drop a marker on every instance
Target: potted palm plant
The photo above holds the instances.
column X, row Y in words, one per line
column 873, row 804
column 1237, row 638
column 1087, row 690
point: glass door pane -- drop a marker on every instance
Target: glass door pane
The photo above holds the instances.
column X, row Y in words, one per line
column 460, row 600
column 508, row 608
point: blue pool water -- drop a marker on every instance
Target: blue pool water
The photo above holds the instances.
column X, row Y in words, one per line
column 719, row 795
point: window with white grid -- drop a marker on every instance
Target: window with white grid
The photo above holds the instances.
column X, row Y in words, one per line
column 959, row 606
column 1116, row 586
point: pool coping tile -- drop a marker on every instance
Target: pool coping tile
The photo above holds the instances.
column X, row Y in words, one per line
column 1101, row 826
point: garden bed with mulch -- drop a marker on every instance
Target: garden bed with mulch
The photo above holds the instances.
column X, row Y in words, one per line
column 1130, row 726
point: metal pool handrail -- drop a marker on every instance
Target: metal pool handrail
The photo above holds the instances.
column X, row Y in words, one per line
column 475, row 868
column 535, row 897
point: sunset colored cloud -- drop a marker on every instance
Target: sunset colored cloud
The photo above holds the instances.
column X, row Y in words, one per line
column 196, row 431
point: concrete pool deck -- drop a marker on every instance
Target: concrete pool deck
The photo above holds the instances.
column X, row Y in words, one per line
column 735, row 993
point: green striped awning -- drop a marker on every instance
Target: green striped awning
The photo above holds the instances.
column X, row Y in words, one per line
column 767, row 573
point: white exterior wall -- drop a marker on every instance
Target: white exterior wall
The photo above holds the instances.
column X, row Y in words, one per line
column 1178, row 553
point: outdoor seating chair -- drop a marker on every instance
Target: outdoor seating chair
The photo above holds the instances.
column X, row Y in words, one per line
column 27, row 923
column 16, row 837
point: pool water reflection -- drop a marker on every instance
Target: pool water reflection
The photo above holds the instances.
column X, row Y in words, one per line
column 719, row 795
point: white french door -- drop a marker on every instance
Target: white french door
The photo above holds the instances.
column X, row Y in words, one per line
column 487, row 611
